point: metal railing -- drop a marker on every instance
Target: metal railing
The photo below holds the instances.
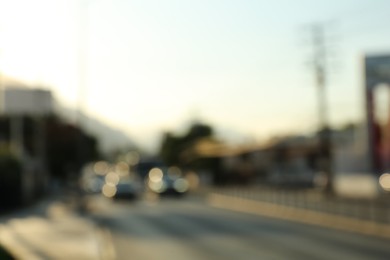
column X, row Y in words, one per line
column 375, row 210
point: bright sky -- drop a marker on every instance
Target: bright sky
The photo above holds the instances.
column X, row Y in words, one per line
column 154, row 65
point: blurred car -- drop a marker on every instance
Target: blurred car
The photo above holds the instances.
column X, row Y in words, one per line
column 93, row 177
column 127, row 189
column 167, row 181
column 92, row 184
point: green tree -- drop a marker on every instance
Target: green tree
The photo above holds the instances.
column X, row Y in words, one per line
column 173, row 146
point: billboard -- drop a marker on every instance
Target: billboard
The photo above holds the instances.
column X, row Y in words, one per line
column 377, row 73
column 23, row 101
column 377, row 70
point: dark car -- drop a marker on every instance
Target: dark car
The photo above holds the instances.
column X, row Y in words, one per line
column 143, row 168
column 127, row 189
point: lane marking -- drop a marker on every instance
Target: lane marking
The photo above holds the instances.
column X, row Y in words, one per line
column 299, row 215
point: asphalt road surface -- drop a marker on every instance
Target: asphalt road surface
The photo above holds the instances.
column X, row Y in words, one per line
column 191, row 229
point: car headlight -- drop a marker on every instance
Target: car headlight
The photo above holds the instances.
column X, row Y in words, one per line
column 384, row 181
column 109, row 190
column 157, row 186
column 180, row 185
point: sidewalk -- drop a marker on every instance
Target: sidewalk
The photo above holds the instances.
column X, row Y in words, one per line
column 52, row 230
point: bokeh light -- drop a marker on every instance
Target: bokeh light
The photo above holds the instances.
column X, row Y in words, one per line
column 155, row 174
column 122, row 168
column 158, row 186
column 132, row 158
column 181, row 185
column 109, row 190
column 193, row 180
column 100, row 167
column 112, row 178
column 384, row 181
column 174, row 172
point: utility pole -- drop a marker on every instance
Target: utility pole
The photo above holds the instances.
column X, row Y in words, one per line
column 319, row 66
column 81, row 106
column 83, row 48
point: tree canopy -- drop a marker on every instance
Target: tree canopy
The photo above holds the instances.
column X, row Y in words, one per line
column 172, row 146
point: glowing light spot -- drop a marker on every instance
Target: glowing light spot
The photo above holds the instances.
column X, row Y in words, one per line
column 193, row 180
column 174, row 172
column 132, row 158
column 100, row 167
column 122, row 168
column 180, row 185
column 384, row 181
column 112, row 178
column 155, row 175
column 109, row 190
column 157, row 186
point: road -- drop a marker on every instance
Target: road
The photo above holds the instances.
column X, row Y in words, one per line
column 190, row 228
